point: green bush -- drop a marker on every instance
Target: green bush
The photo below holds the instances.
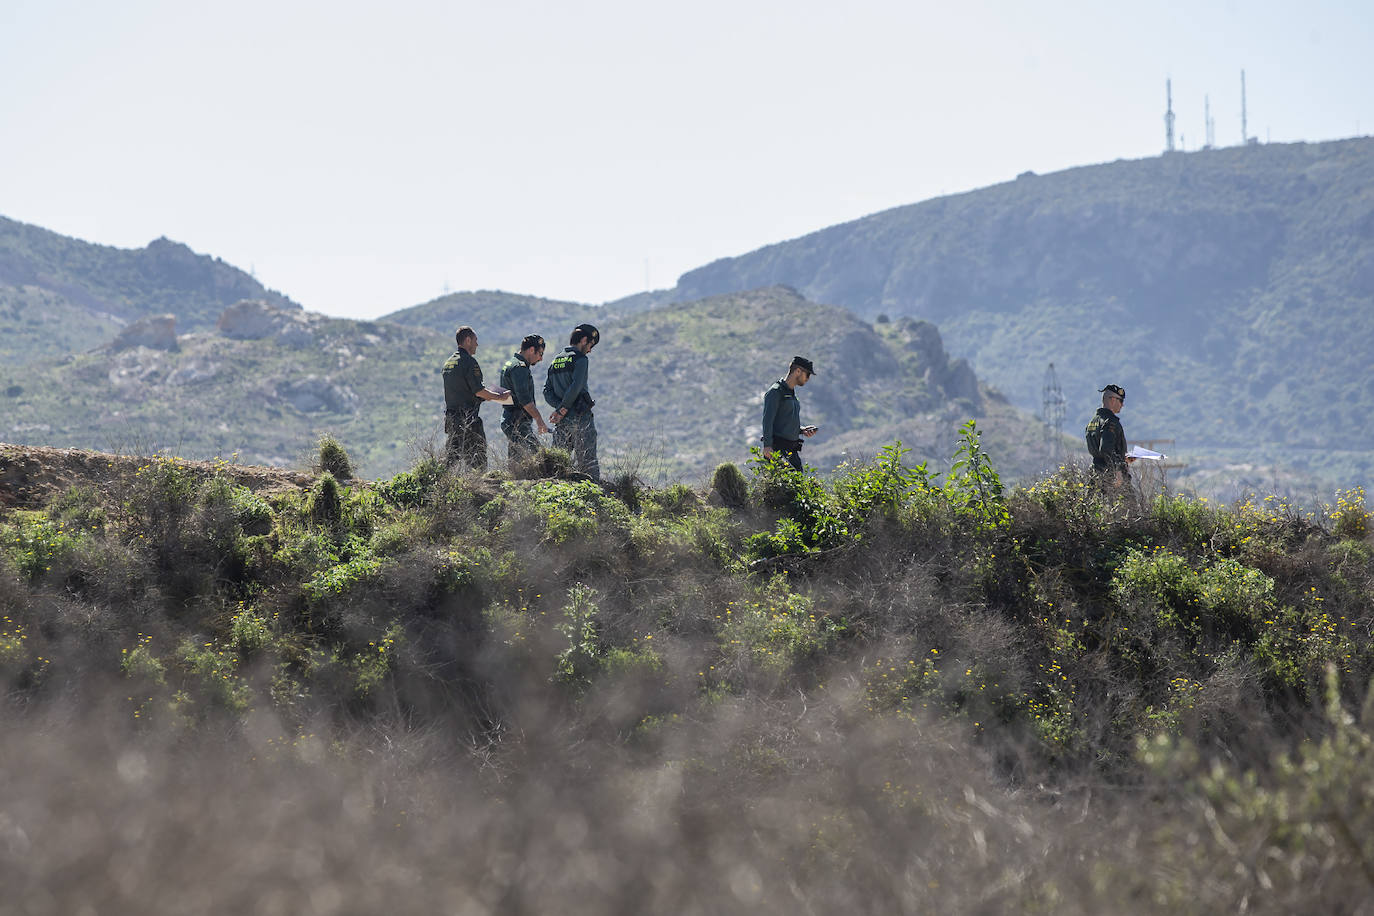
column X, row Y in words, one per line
column 1192, row 521
column 1348, row 517
column 324, row 503
column 333, row 459
column 249, row 631
column 140, row 662
column 341, row 578
column 730, row 485
column 818, row 517
column 217, row 671
column 414, row 487
column 79, row 507
column 884, row 486
column 1224, row 595
column 574, row 509
column 35, row 543
column 773, row 626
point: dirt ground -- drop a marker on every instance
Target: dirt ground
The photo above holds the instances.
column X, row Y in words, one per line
column 30, row 475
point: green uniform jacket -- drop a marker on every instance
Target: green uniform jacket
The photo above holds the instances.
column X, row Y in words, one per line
column 781, row 414
column 566, row 384
column 462, row 381
column 1106, row 441
column 516, row 376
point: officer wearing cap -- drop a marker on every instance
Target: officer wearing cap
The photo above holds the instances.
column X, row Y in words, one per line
column 782, row 429
column 565, row 390
column 463, row 395
column 521, row 416
column 1106, row 438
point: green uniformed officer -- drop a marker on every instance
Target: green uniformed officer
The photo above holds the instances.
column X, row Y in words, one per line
column 463, row 395
column 782, row 429
column 1107, row 439
column 521, row 415
column 565, row 389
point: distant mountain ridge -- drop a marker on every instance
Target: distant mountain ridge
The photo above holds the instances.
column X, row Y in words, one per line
column 1230, row 290
column 59, row 294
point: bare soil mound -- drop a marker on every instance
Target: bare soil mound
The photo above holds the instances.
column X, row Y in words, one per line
column 31, row 475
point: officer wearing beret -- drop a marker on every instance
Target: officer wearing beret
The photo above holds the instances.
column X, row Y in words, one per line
column 1107, row 439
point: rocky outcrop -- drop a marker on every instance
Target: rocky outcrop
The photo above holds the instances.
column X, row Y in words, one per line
column 158, row 332
column 955, row 379
column 255, row 319
column 314, row 394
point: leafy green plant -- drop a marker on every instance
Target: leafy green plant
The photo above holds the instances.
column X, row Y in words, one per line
column 1193, row 521
column 36, row 542
column 576, row 663
column 414, row 487
column 1349, row 518
column 883, row 486
column 249, row 631
column 574, row 509
column 1224, row 595
column 217, row 671
column 373, row 665
column 973, row 486
column 141, row 662
column 337, row 580
column 815, row 518
column 775, row 626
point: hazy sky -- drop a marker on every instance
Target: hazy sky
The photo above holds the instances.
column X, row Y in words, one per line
column 360, row 157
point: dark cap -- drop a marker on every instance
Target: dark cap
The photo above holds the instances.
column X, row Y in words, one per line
column 583, row 331
column 801, row 362
column 1114, row 389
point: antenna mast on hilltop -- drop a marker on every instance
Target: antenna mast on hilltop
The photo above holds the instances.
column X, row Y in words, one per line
column 1053, row 412
column 1243, row 136
column 1208, row 123
column 1169, row 116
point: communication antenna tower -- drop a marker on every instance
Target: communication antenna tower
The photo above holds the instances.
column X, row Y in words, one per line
column 1244, row 136
column 1169, row 116
column 1208, row 123
column 1053, row 413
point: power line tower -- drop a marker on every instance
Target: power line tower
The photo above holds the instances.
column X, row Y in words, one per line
column 1169, row 116
column 1052, row 410
column 1208, row 123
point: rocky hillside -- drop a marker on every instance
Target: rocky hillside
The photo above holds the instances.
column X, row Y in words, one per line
column 1231, row 291
column 60, row 295
column 679, row 389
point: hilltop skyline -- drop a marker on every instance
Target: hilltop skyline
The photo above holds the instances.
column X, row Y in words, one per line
column 362, row 160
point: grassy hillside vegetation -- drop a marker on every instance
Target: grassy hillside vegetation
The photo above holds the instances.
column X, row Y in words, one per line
column 60, row 295
column 263, row 400
column 500, row 319
column 1231, row 291
column 679, row 389
column 896, row 692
